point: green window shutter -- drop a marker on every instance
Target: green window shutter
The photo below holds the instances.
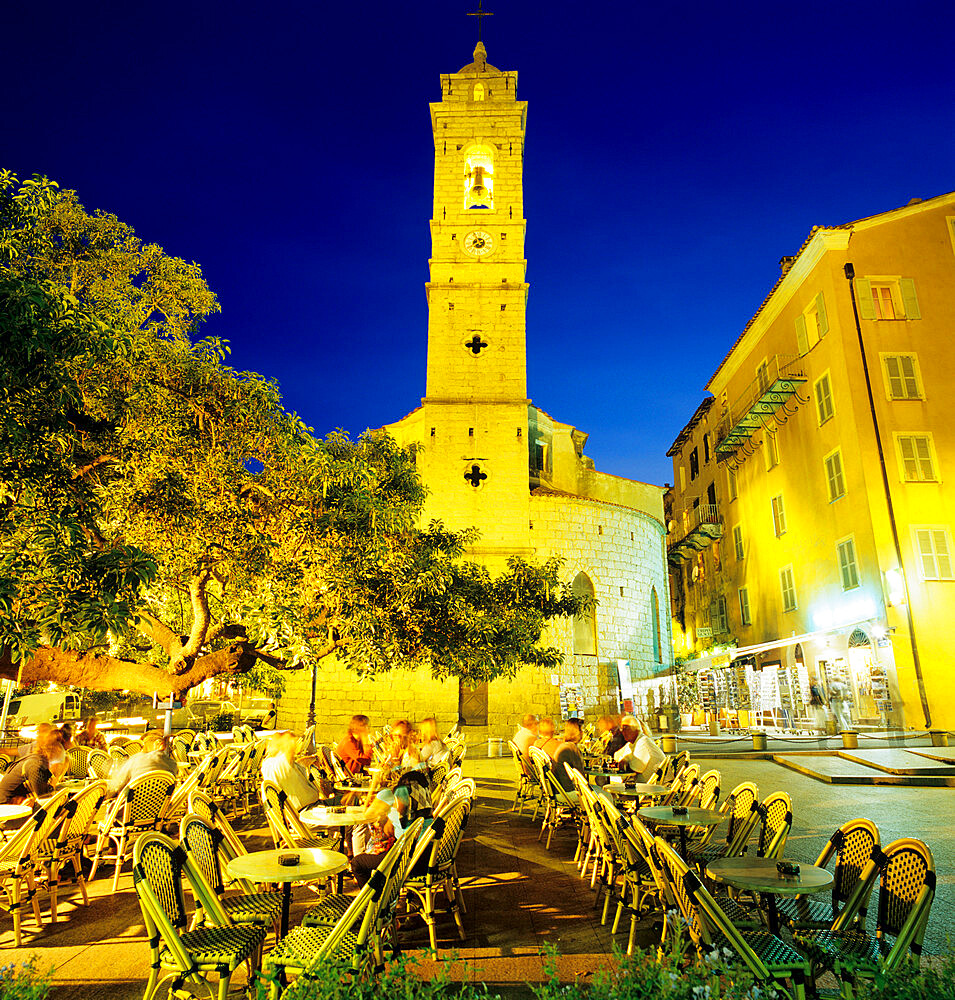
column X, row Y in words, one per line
column 821, row 313
column 943, row 555
column 909, row 461
column 894, row 372
column 802, row 339
column 923, row 538
column 924, row 457
column 909, row 300
column 907, row 373
column 864, row 298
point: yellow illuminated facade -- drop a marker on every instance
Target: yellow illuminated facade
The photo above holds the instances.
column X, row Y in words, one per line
column 811, row 515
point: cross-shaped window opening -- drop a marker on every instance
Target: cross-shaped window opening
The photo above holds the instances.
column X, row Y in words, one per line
column 475, row 345
column 475, row 476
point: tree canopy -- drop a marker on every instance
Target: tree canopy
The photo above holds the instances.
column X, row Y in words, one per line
column 163, row 519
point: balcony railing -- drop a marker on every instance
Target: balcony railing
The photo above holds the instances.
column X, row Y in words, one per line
column 775, row 384
column 705, row 526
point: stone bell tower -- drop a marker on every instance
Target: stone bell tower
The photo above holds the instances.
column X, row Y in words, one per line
column 471, row 429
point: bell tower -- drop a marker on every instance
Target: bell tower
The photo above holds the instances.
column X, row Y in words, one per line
column 472, row 427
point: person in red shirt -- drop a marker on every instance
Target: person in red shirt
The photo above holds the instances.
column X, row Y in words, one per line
column 355, row 748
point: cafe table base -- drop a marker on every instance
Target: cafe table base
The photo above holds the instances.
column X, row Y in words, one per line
column 312, row 863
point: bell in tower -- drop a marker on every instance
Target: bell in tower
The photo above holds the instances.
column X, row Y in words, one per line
column 479, row 194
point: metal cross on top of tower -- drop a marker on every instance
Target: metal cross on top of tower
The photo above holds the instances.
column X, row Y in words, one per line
column 480, row 14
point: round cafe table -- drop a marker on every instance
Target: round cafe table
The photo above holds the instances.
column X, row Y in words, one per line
column 694, row 816
column 761, row 875
column 263, row 866
column 323, row 818
column 344, row 786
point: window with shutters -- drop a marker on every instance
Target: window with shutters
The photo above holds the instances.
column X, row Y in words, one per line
column 934, row 546
column 732, row 487
column 835, row 478
column 787, row 588
column 718, row 619
column 738, row 542
column 887, row 297
column 706, row 448
column 902, row 379
column 812, row 325
column 744, row 616
column 846, row 552
column 779, row 516
column 694, row 464
column 823, row 393
column 682, row 479
column 917, row 458
column 771, row 449
column 762, row 375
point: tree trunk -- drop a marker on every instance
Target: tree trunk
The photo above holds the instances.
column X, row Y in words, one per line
column 100, row 672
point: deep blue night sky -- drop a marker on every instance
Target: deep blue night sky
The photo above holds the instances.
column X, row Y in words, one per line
column 674, row 154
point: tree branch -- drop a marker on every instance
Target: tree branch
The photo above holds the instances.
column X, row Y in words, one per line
column 159, row 632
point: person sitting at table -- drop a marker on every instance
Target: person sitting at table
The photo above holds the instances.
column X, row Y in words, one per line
column 41, row 730
column 608, row 726
column 526, row 733
column 281, row 767
column 355, row 748
column 401, row 746
column 89, row 737
column 431, row 748
column 547, row 741
column 640, row 753
column 567, row 755
column 33, row 775
column 154, row 756
column 402, row 797
column 66, row 731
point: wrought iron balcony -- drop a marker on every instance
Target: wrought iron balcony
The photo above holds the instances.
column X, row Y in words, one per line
column 706, row 525
column 775, row 384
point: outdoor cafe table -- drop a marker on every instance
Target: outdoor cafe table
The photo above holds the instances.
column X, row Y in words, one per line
column 345, row 786
column 637, row 791
column 322, row 817
column 694, row 816
column 263, row 866
column 761, row 875
column 8, row 813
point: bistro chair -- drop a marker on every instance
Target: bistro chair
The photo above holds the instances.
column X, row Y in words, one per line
column 207, row 848
column 21, row 862
column 557, row 804
column 853, row 846
column 356, row 941
column 528, row 787
column 181, row 745
column 906, row 873
column 187, row 956
column 133, row 746
column 709, row 790
column 639, row 882
column 286, row 826
column 775, row 822
column 442, row 870
column 98, row 763
column 77, row 762
column 201, row 805
column 768, row 958
column 79, row 815
column 741, row 808
column 139, row 808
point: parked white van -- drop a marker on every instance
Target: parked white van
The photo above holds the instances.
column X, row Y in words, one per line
column 57, row 706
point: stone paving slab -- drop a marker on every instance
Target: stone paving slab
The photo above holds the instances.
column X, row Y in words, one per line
column 836, row 769
column 898, row 762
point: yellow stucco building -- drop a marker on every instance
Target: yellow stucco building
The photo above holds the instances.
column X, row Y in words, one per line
column 810, row 521
column 493, row 460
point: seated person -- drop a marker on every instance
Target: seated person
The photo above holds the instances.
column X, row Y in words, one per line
column 402, row 797
column 66, row 731
column 567, row 755
column 89, row 737
column 401, row 747
column 154, row 756
column 33, row 775
column 431, row 748
column 546, row 740
column 281, row 767
column 355, row 748
column 608, row 727
column 41, row 730
column 640, row 753
column 526, row 734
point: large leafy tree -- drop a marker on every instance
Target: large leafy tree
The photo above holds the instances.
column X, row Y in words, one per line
column 163, row 519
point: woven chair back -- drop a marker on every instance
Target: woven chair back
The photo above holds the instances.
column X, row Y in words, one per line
column 776, row 820
column 908, row 872
column 202, row 842
column 79, row 812
column 133, row 746
column 77, row 762
column 709, row 789
column 145, row 799
column 117, row 752
column 98, row 763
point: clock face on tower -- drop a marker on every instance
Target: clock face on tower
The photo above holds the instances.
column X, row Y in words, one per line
column 478, row 243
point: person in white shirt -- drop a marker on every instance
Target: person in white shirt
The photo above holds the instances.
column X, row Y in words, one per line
column 281, row 767
column 640, row 753
column 526, row 733
column 431, row 748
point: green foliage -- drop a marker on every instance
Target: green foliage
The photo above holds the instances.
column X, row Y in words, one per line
column 403, row 979
column 24, row 982
column 144, row 481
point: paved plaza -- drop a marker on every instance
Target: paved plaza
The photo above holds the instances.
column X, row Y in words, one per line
column 520, row 896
